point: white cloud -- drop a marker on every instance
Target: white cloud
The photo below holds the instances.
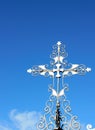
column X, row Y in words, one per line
column 21, row 121
column 25, row 120
column 3, row 127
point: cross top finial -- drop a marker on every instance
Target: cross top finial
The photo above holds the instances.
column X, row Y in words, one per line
column 58, row 43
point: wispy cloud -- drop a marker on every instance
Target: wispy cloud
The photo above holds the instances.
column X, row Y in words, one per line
column 25, row 120
column 4, row 128
column 21, row 120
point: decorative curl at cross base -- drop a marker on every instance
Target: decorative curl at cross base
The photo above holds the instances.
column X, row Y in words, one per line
column 58, row 114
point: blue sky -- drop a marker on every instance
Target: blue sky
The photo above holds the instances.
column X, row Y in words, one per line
column 28, row 30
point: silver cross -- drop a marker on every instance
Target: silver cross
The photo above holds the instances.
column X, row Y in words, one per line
column 59, row 69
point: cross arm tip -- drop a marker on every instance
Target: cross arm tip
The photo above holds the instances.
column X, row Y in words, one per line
column 29, row 71
column 88, row 69
column 59, row 43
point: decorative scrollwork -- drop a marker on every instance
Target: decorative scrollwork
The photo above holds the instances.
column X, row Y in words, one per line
column 47, row 122
column 75, row 69
column 68, row 121
column 60, row 68
column 41, row 124
column 58, row 54
column 71, row 124
column 81, row 69
column 90, row 127
column 35, row 70
column 74, row 124
column 50, row 126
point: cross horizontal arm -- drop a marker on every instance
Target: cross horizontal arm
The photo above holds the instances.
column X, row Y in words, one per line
column 76, row 69
column 42, row 70
column 60, row 72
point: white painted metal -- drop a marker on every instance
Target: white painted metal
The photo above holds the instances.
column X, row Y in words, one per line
column 60, row 69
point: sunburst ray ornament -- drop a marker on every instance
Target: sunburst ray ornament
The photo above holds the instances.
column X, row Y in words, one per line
column 58, row 114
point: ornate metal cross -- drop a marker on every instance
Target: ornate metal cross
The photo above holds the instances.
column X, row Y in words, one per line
column 59, row 69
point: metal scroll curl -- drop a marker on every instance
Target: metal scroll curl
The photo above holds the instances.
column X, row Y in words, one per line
column 90, row 127
column 47, row 121
column 68, row 121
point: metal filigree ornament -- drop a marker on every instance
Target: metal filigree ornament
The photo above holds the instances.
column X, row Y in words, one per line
column 89, row 127
column 58, row 114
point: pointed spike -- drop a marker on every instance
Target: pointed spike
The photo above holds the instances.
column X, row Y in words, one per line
column 88, row 69
column 29, row 71
column 58, row 43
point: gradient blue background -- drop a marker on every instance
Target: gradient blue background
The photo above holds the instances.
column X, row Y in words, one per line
column 28, row 29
